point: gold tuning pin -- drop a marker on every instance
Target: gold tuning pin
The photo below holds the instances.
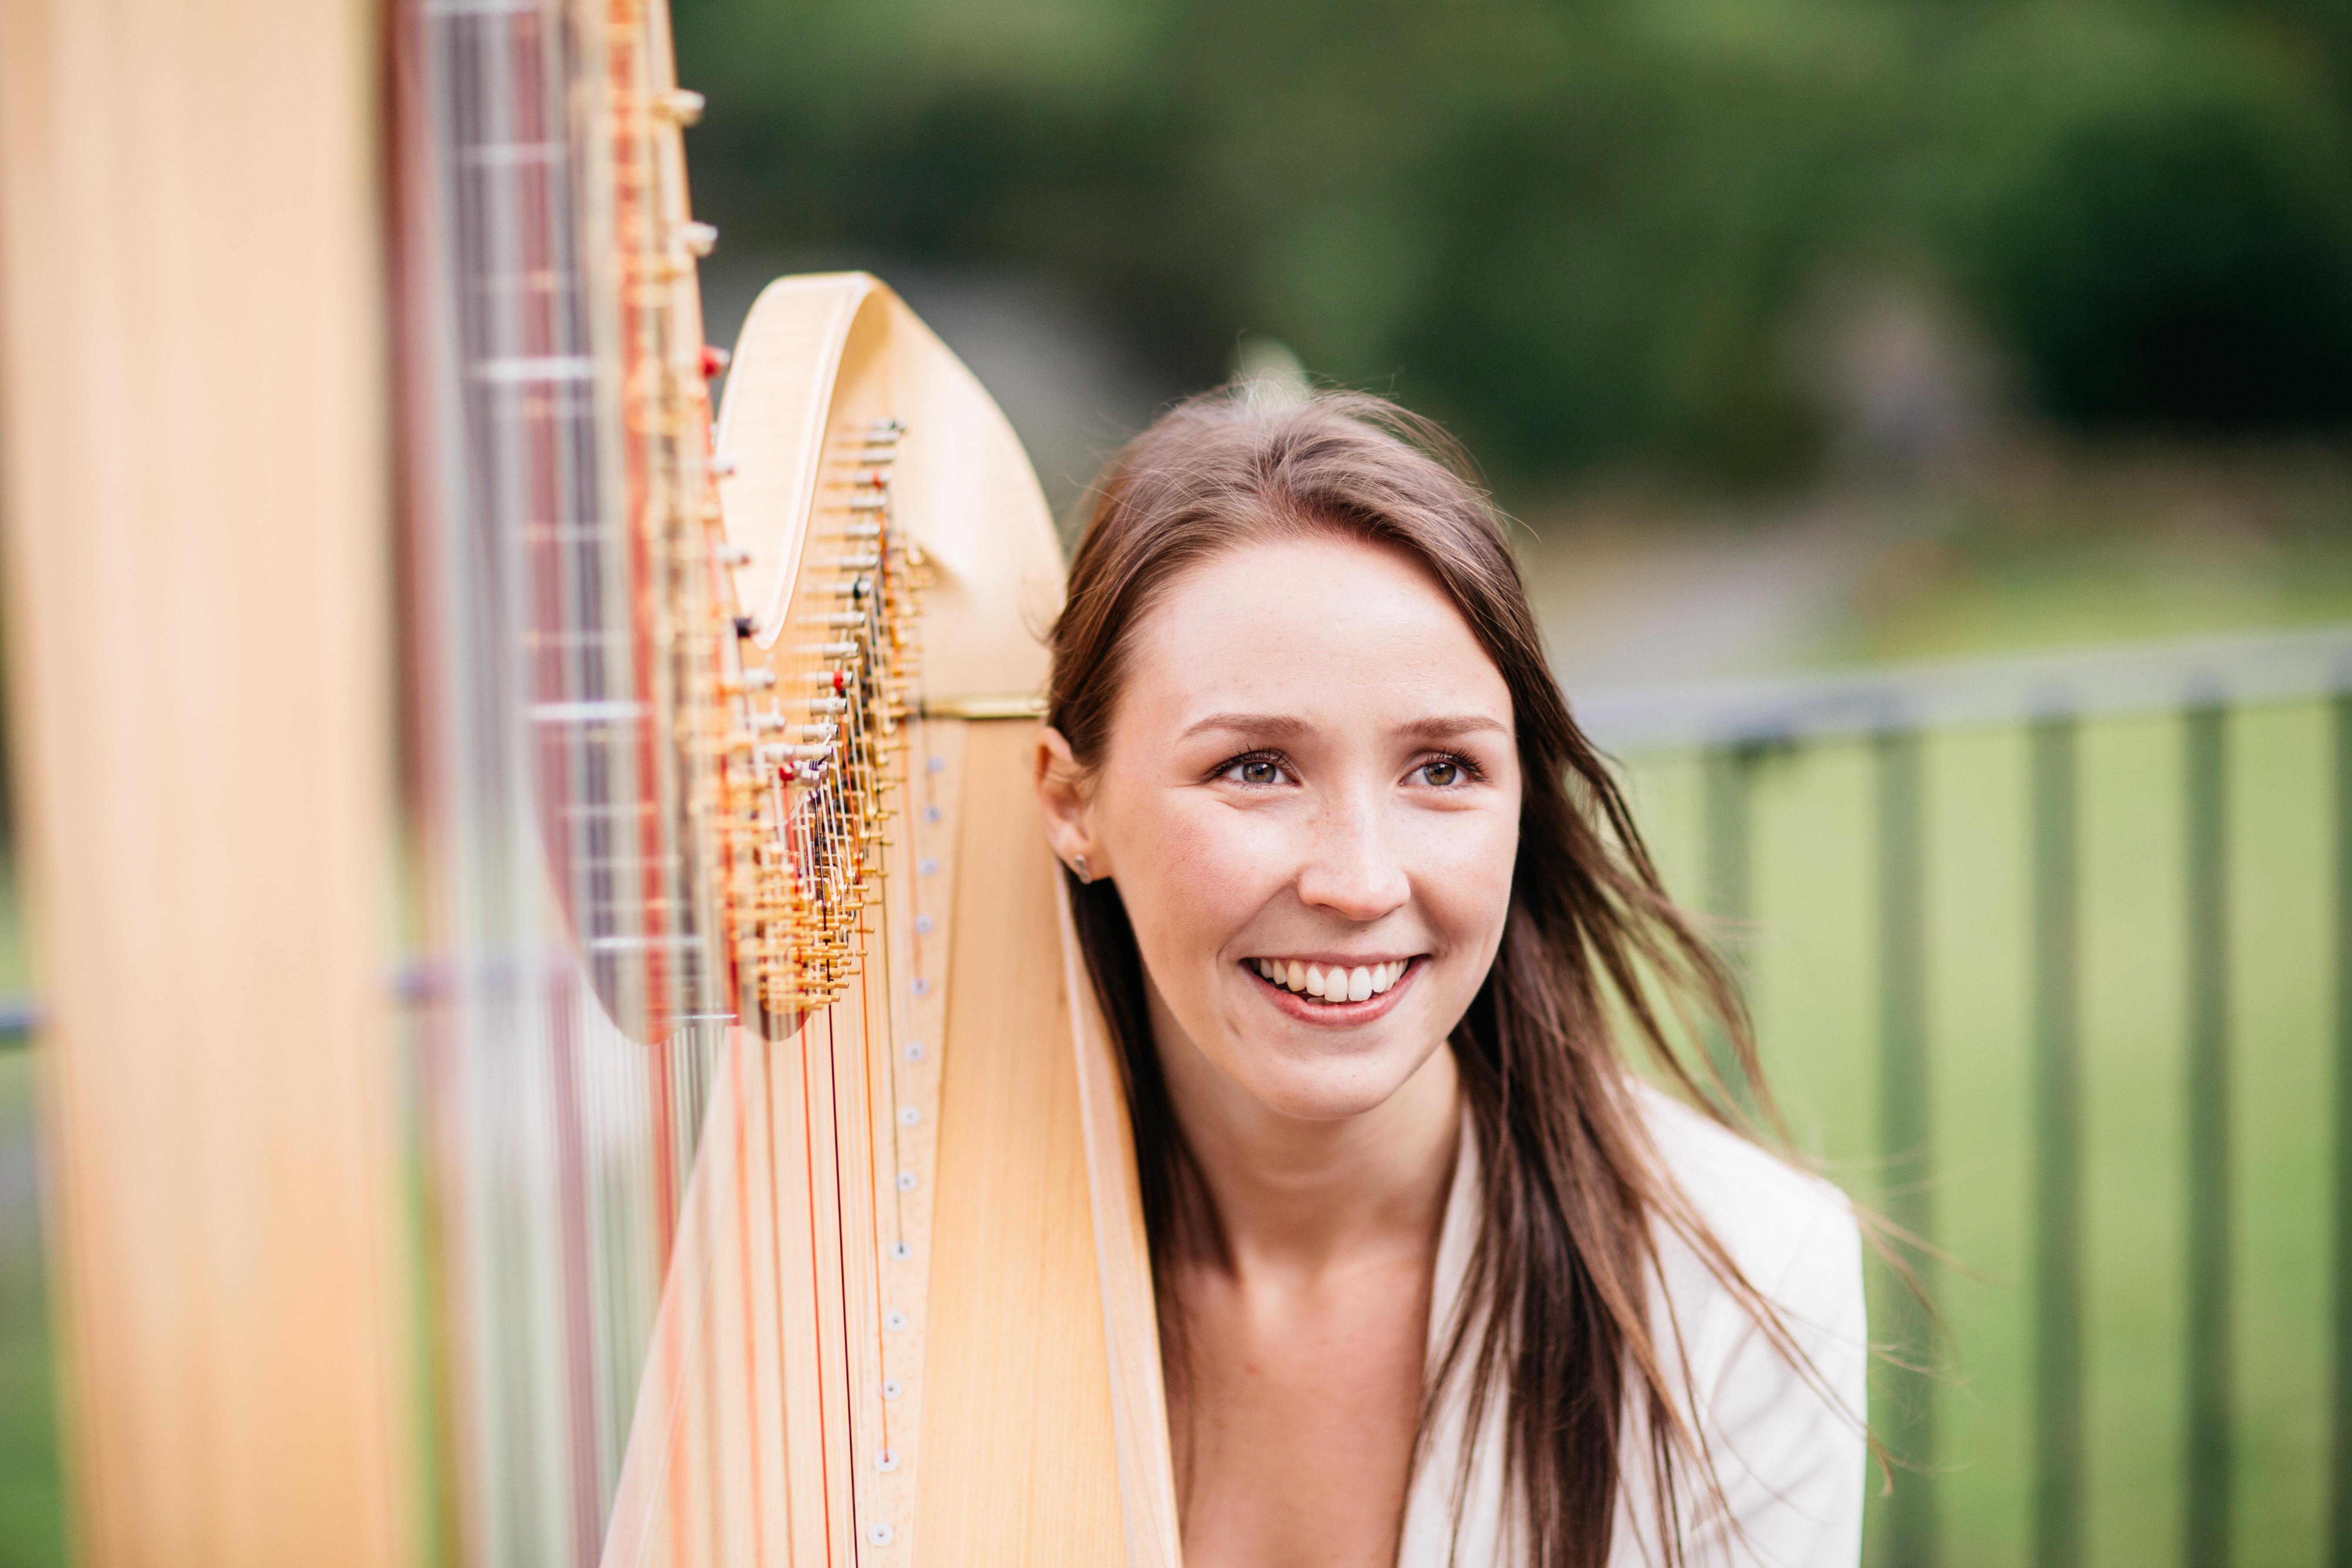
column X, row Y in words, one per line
column 680, row 106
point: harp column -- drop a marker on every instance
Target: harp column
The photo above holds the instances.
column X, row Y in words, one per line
column 197, row 565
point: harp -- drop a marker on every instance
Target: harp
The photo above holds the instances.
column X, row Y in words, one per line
column 743, row 1175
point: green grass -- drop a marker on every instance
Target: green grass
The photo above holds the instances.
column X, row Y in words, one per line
column 32, row 1508
column 1812, row 965
column 32, row 1513
column 2123, row 546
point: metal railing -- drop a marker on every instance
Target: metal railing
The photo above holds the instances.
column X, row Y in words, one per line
column 1733, row 728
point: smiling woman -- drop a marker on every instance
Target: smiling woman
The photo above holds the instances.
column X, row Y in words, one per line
column 1440, row 1279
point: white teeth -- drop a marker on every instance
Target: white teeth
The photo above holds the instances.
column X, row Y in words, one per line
column 1336, row 984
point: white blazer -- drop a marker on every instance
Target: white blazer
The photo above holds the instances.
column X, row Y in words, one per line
column 1791, row 1460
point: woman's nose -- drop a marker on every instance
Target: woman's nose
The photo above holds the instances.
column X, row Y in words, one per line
column 1354, row 871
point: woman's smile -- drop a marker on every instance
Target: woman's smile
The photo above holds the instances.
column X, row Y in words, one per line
column 1331, row 992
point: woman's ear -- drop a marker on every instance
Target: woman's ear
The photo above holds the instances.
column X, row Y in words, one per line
column 1061, row 791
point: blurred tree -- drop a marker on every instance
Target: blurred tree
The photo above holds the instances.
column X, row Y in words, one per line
column 2162, row 222
column 1581, row 231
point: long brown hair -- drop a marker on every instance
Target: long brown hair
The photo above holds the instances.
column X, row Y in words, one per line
column 1556, row 1307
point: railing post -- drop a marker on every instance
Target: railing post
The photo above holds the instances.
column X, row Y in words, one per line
column 1729, row 776
column 1904, row 1113
column 2057, row 1149
column 2206, row 1520
column 2340, row 1546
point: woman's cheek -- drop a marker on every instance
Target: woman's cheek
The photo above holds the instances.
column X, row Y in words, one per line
column 1466, row 857
column 1191, row 871
column 1216, row 861
column 1463, row 877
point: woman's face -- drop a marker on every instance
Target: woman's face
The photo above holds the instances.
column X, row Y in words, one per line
column 1309, row 802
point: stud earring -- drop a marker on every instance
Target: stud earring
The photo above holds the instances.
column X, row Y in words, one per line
column 1078, row 864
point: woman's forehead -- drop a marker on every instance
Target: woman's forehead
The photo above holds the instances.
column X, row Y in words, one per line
column 1299, row 624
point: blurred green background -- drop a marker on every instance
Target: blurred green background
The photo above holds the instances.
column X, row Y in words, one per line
column 32, row 1518
column 1794, row 333
column 1589, row 236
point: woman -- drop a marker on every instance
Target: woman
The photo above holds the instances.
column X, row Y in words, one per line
column 1440, row 1279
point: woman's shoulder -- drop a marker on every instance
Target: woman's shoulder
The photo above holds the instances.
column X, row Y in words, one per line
column 1778, row 1224
column 1781, row 1408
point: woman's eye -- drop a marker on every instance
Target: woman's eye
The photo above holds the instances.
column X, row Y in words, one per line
column 1257, row 771
column 1441, row 773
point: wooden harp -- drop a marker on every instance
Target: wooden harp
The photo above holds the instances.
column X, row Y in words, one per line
column 804, row 1042
column 741, row 1174
column 911, row 1303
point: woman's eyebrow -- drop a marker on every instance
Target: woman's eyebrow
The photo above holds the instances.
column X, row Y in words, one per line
column 1451, row 726
column 1283, row 726
column 1276, row 726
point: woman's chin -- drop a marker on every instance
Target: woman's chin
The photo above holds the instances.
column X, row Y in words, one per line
column 1327, row 1090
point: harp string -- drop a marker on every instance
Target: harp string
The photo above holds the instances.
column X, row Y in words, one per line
column 750, row 1393
column 548, row 1280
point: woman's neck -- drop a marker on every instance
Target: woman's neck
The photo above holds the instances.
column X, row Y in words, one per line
column 1296, row 1195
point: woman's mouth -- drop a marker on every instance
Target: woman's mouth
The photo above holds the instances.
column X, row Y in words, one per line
column 1336, row 993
